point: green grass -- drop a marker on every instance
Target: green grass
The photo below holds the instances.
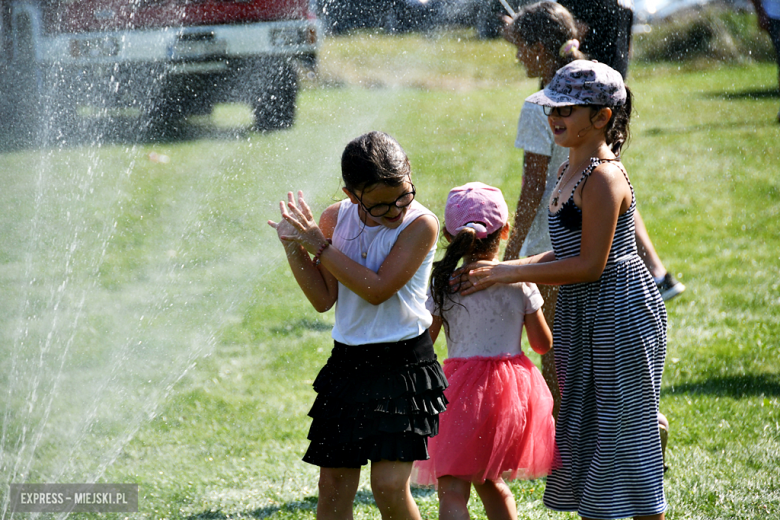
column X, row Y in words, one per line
column 153, row 334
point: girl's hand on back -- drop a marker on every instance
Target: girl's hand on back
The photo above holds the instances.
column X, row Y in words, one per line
column 460, row 281
column 301, row 228
column 483, row 276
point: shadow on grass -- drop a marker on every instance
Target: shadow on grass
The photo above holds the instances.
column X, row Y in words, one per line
column 298, row 327
column 307, row 504
column 748, row 385
column 753, row 125
column 118, row 130
column 755, row 94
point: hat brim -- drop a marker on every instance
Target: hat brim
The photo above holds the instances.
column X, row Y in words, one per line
column 548, row 98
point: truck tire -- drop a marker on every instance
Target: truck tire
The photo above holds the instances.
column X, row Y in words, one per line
column 45, row 111
column 273, row 103
column 28, row 86
column 163, row 118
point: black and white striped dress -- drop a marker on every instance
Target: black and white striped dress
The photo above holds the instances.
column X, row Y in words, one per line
column 610, row 344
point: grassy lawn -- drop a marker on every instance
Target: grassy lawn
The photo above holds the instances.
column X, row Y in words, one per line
column 152, row 333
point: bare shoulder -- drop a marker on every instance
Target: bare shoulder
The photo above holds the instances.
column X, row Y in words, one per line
column 426, row 221
column 611, row 182
column 425, row 228
column 329, row 219
column 609, row 170
column 610, row 175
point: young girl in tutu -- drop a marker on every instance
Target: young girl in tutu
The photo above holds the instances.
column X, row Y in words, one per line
column 380, row 394
column 498, row 422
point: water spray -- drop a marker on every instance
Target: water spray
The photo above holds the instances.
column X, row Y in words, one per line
column 508, row 8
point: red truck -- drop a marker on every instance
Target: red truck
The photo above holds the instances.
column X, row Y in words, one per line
column 165, row 59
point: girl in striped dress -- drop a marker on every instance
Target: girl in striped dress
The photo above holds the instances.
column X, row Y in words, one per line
column 610, row 322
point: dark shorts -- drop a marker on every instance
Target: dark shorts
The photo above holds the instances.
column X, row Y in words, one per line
column 376, row 402
column 774, row 34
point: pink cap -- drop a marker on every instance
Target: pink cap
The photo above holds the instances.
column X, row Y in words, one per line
column 475, row 205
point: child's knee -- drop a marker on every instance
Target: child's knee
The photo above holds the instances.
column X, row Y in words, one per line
column 451, row 488
column 495, row 488
column 333, row 484
column 388, row 483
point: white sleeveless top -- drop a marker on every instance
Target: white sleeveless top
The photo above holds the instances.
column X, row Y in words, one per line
column 403, row 315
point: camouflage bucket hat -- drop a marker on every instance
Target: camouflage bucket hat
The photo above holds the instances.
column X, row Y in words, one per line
column 582, row 82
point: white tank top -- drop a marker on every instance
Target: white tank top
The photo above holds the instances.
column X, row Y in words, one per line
column 403, row 315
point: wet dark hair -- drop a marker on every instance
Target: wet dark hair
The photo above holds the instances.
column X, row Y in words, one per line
column 374, row 158
column 463, row 244
column 617, row 131
column 550, row 24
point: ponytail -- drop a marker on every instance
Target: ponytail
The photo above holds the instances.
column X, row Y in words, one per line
column 617, row 132
column 552, row 25
column 465, row 243
column 570, row 51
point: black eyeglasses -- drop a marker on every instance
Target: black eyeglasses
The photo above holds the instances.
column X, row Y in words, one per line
column 559, row 111
column 380, row 210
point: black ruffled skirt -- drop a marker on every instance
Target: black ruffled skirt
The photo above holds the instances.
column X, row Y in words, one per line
column 376, row 402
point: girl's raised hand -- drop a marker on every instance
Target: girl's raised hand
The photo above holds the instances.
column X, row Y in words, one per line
column 298, row 224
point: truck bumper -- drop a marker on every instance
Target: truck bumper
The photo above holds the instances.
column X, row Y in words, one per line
column 183, row 49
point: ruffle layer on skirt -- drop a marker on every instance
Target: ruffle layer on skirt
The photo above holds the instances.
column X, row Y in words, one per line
column 376, row 402
column 498, row 423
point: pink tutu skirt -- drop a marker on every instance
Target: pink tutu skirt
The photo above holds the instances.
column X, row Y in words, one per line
column 498, row 423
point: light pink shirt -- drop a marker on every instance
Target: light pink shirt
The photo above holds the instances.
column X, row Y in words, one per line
column 490, row 322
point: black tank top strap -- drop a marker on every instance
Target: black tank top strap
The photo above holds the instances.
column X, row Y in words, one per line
column 594, row 161
column 619, row 164
column 563, row 170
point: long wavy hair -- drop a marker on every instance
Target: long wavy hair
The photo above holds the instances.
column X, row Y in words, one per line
column 465, row 243
column 618, row 132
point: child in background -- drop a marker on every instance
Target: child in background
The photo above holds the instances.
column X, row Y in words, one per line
column 548, row 37
column 499, row 419
column 381, row 392
column 610, row 321
column 545, row 35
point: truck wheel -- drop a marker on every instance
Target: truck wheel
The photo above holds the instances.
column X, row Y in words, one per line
column 163, row 118
column 274, row 104
column 45, row 109
column 28, row 91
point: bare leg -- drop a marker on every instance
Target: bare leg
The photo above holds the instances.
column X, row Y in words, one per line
column 453, row 498
column 337, row 493
column 390, row 484
column 646, row 250
column 498, row 500
column 550, row 293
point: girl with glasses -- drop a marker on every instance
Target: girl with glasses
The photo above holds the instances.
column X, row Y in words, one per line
column 609, row 332
column 381, row 392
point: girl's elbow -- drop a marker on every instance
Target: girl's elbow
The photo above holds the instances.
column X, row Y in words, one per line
column 542, row 349
column 323, row 305
column 592, row 273
column 377, row 299
column 322, row 308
